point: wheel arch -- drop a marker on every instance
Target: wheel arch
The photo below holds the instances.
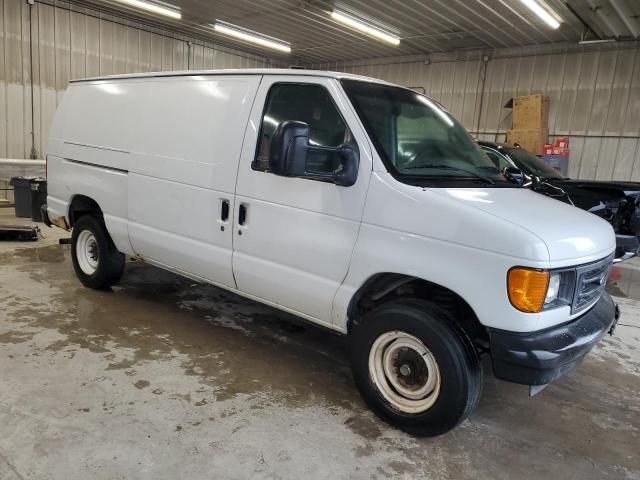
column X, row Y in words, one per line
column 82, row 205
column 386, row 286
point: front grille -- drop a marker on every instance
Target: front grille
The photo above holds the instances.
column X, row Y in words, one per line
column 590, row 282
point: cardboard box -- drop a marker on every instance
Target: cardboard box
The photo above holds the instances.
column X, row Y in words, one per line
column 532, row 140
column 530, row 112
column 553, row 150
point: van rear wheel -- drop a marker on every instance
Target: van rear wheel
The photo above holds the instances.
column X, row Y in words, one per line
column 415, row 368
column 96, row 261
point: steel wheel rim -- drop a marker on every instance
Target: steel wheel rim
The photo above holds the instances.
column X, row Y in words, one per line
column 405, row 372
column 87, row 252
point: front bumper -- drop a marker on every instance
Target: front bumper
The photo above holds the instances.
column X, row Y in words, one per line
column 541, row 357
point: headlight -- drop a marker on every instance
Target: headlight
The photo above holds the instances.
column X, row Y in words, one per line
column 553, row 289
column 532, row 290
column 560, row 291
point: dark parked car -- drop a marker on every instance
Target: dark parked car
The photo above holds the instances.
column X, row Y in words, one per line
column 616, row 202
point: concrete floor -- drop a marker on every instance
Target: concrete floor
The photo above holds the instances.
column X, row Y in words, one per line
column 162, row 378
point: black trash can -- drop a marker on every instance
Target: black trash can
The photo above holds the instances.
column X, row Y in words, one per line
column 22, row 195
column 30, row 194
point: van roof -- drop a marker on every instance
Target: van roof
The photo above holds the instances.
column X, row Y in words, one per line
column 235, row 71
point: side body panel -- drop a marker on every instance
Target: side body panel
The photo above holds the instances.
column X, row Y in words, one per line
column 178, row 142
column 185, row 167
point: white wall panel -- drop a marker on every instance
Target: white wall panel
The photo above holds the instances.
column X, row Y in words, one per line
column 16, row 51
column 4, row 118
column 70, row 44
column 594, row 97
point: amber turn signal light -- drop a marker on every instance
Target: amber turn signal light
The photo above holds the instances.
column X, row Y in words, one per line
column 527, row 288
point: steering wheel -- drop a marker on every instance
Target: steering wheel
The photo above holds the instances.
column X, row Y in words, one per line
column 431, row 147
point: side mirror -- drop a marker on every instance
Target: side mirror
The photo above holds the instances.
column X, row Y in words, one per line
column 290, row 147
column 514, row 174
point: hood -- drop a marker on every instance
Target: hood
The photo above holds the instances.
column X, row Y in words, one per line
column 570, row 234
column 528, row 227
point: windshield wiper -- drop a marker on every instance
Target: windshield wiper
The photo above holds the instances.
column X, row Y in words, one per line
column 457, row 169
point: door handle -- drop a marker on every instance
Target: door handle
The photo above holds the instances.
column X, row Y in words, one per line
column 242, row 214
column 224, row 210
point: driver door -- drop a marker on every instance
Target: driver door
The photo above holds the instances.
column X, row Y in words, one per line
column 294, row 236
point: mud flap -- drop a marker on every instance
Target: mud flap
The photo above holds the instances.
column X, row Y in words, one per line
column 615, row 321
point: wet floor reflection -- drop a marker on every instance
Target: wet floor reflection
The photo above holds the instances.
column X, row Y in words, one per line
column 624, row 280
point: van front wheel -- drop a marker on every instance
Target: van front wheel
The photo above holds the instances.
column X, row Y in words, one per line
column 96, row 261
column 415, row 368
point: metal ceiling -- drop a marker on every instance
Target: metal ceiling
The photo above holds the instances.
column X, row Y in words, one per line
column 425, row 26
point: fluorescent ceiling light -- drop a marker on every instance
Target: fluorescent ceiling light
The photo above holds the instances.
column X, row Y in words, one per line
column 251, row 37
column 154, row 8
column 365, row 28
column 542, row 13
column 591, row 42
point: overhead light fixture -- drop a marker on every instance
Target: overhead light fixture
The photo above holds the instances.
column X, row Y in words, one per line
column 593, row 42
column 365, row 27
column 251, row 36
column 542, row 13
column 154, row 8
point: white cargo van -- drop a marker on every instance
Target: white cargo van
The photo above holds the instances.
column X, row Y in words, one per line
column 356, row 204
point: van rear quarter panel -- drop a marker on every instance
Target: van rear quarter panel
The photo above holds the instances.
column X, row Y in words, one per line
column 66, row 179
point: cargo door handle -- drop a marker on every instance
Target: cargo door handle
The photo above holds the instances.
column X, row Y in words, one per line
column 224, row 210
column 242, row 214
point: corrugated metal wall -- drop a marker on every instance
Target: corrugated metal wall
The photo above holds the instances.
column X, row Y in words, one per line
column 594, row 97
column 74, row 44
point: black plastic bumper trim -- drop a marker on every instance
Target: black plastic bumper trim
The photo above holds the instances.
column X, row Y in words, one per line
column 45, row 215
column 541, row 357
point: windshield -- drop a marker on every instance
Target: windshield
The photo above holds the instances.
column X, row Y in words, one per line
column 531, row 164
column 416, row 137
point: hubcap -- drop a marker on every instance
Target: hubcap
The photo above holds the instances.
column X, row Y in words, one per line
column 405, row 371
column 87, row 252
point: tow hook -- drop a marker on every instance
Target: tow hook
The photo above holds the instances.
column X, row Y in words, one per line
column 615, row 321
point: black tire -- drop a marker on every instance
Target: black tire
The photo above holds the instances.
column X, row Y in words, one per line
column 458, row 363
column 110, row 266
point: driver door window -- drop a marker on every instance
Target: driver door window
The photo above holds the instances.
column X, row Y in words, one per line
column 312, row 105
